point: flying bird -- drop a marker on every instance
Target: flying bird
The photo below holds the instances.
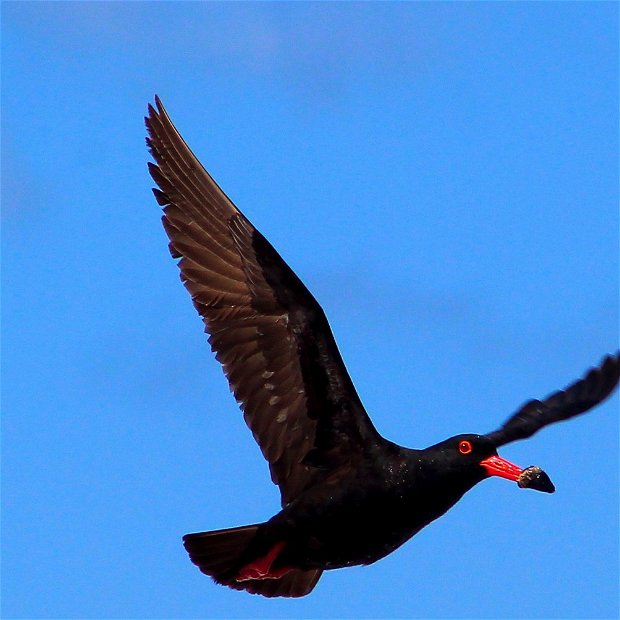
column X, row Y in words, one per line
column 349, row 496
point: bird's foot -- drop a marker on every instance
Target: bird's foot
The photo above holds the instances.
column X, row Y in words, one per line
column 261, row 568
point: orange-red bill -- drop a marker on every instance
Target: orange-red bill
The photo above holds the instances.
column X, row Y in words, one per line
column 529, row 478
column 497, row 466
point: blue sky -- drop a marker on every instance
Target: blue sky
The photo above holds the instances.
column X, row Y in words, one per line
column 442, row 176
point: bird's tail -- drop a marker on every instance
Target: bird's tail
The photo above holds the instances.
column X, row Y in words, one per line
column 221, row 554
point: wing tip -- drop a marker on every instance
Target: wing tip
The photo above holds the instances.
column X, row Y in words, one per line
column 155, row 114
column 609, row 370
column 612, row 361
column 595, row 386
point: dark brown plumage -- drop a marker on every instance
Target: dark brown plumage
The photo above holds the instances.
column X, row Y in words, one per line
column 349, row 496
column 266, row 329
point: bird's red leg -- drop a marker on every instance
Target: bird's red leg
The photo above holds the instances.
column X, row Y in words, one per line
column 261, row 568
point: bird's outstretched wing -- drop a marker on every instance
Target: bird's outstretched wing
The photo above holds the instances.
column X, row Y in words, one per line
column 265, row 327
column 579, row 397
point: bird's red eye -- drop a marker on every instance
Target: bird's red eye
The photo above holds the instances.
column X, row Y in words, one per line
column 465, row 447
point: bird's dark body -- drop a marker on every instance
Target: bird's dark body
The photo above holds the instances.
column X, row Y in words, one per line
column 361, row 518
column 349, row 496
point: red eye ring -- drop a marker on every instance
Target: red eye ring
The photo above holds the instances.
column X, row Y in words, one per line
column 465, row 447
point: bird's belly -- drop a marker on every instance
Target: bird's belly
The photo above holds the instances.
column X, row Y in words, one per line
column 351, row 533
column 352, row 546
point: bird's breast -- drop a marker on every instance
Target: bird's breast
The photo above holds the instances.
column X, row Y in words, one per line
column 353, row 524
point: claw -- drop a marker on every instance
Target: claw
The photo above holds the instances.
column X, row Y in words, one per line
column 261, row 568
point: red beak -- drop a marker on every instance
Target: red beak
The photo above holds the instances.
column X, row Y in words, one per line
column 497, row 466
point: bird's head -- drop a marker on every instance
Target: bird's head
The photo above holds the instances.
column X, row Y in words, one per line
column 474, row 458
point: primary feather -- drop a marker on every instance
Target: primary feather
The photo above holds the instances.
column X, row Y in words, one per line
column 266, row 328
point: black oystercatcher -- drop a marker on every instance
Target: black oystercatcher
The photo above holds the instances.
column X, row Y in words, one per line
column 349, row 496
